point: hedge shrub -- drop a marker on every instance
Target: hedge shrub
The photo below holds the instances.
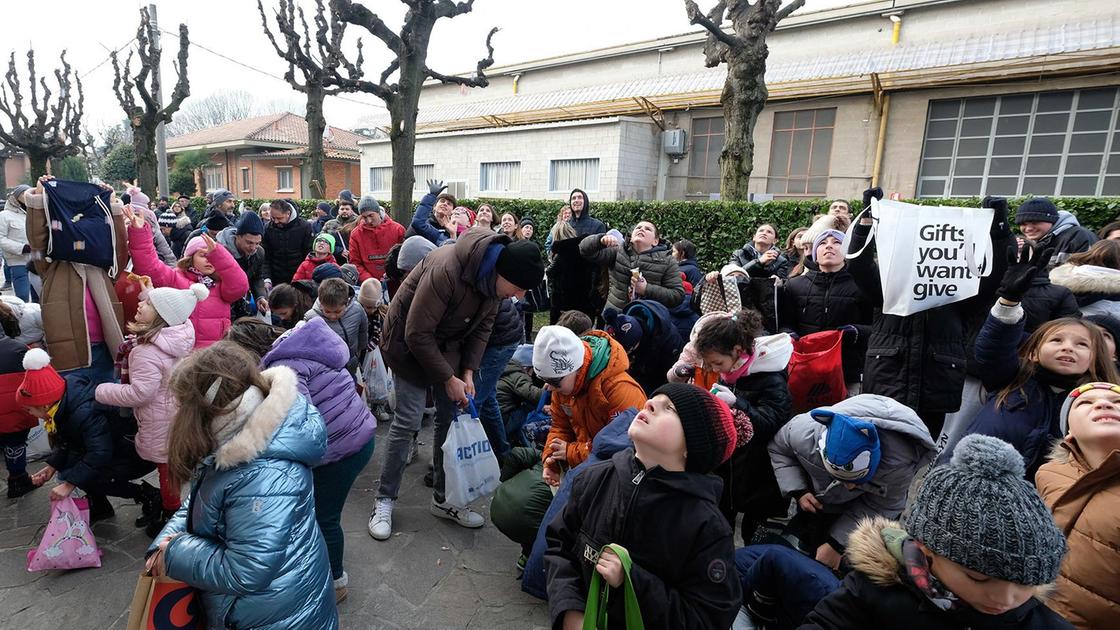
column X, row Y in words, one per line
column 718, row 228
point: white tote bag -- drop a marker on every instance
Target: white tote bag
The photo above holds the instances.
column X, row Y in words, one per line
column 470, row 468
column 929, row 256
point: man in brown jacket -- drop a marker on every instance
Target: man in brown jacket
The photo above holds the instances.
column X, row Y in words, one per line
column 435, row 333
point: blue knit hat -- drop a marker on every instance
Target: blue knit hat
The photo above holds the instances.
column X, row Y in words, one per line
column 849, row 447
column 1036, row 209
column 325, row 271
column 626, row 330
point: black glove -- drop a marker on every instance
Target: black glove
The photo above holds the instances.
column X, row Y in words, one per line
column 435, row 186
column 1022, row 267
column 875, row 192
column 999, row 216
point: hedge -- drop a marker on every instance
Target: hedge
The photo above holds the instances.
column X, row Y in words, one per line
column 718, row 228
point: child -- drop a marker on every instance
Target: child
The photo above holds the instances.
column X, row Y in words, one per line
column 977, row 545
column 1081, row 486
column 322, row 251
column 344, row 316
column 15, row 422
column 659, row 501
column 246, row 539
column 517, row 393
column 291, row 302
column 852, row 460
column 162, row 335
column 89, row 449
column 752, row 379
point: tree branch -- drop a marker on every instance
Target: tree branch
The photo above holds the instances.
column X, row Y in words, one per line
column 358, row 15
column 479, row 79
column 711, row 22
column 449, row 9
column 784, row 12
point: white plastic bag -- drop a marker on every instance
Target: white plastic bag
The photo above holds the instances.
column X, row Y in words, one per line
column 38, row 446
column 376, row 376
column 470, row 468
column 929, row 256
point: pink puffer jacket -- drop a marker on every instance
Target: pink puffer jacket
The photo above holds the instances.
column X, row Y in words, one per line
column 211, row 317
column 148, row 392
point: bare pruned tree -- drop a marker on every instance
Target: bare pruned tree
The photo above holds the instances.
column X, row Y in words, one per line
column 146, row 115
column 744, row 95
column 316, row 56
column 51, row 129
column 402, row 96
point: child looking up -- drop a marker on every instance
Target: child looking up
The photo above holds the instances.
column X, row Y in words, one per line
column 322, row 251
column 344, row 316
column 659, row 501
column 162, row 335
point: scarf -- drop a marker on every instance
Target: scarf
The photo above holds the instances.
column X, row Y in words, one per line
column 914, row 569
column 739, row 371
column 205, row 280
column 1061, row 382
column 48, row 423
column 120, row 364
column 487, row 278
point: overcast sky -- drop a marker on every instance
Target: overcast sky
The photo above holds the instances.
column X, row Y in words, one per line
column 531, row 29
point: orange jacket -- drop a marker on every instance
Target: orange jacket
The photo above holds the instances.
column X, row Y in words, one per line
column 577, row 417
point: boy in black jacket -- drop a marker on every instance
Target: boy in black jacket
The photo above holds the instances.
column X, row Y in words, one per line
column 660, row 502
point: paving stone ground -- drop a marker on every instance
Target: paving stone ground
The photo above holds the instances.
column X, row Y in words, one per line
column 430, row 574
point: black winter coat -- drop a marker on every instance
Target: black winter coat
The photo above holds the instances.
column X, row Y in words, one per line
column 749, row 485
column 820, row 301
column 747, row 258
column 691, row 271
column 90, row 442
column 285, row 247
column 573, row 280
column 682, row 547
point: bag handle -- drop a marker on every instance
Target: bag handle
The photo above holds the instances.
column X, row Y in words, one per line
column 595, row 613
column 970, row 252
column 873, row 209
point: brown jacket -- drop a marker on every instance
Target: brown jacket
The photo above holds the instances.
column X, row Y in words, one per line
column 63, row 298
column 1086, row 505
column 439, row 321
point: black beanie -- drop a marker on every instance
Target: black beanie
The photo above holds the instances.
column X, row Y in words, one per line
column 250, row 223
column 1036, row 209
column 709, row 430
column 1107, row 322
column 520, row 262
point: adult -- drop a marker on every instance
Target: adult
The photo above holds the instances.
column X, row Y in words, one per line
column 219, row 212
column 370, row 242
column 287, row 240
column 183, row 206
column 508, row 226
column 840, row 208
column 484, row 216
column 657, row 278
column 581, row 220
column 760, row 257
column 14, row 243
column 176, row 228
column 319, row 216
column 432, row 218
column 1040, row 221
column 562, row 219
column 203, row 262
column 684, row 252
column 1094, row 278
column 243, row 242
column 434, row 337
column 526, row 228
column 1110, row 232
column 344, row 212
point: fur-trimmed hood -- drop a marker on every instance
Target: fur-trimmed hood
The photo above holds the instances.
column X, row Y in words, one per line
column 274, row 426
column 1082, row 279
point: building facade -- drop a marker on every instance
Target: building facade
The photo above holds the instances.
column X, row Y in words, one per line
column 923, row 97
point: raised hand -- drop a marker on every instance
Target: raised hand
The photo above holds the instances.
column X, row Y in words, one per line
column 136, row 219
column 875, row 192
column 210, row 244
column 436, row 186
column 1023, row 265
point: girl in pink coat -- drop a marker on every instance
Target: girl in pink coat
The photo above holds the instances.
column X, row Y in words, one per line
column 162, row 335
column 203, row 262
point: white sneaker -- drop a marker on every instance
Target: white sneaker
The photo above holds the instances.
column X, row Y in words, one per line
column 381, row 521
column 462, row 515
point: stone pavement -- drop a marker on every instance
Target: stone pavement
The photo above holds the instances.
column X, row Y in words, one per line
column 431, row 574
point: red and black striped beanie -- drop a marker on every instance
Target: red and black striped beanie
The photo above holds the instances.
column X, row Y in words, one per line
column 709, row 432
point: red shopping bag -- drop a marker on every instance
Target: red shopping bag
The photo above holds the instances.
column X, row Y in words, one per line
column 816, row 373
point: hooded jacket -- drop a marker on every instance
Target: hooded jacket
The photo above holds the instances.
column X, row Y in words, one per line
column 13, row 417
column 1085, row 502
column 89, row 445
column 821, row 300
column 13, row 233
column 285, row 247
column 254, row 552
column 509, row 325
column 252, row 265
column 211, row 316
column 1096, row 289
column 573, row 280
column 875, row 595
column 691, row 271
column 369, row 247
column 649, row 512
column 747, row 257
column 657, row 265
column 148, row 391
column 906, row 448
column 515, row 389
column 584, row 223
column 352, row 329
column 30, row 316
column 1067, row 237
column 660, row 344
column 319, row 358
column 424, row 222
column 603, row 390
column 440, row 320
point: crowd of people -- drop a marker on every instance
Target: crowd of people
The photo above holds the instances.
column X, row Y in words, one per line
column 653, row 442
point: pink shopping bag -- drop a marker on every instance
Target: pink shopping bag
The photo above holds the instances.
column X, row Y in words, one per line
column 68, row 542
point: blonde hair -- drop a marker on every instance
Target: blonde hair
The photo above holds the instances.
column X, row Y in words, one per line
column 146, row 332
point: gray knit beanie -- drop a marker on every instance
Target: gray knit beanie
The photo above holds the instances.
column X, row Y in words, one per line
column 979, row 512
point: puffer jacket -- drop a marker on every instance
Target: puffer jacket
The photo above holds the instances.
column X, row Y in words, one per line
column 211, row 316
column 30, row 316
column 660, row 344
column 13, row 417
column 13, row 233
column 509, row 325
column 681, row 546
column 875, row 595
column 1045, row 301
column 319, row 357
column 594, row 401
column 369, row 247
column 284, row 248
column 657, row 265
column 906, row 448
column 819, row 301
column 353, row 329
column 254, row 551
column 90, row 443
column 691, row 271
column 439, row 322
column 148, row 391
column 1097, row 289
column 747, row 257
column 1067, row 237
column 1085, row 502
column 253, row 265
column 424, row 223
column 515, row 389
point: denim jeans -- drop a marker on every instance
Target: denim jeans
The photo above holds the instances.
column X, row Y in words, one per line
column 494, row 362
column 411, row 400
column 15, row 452
column 780, row 584
column 100, row 368
column 332, row 484
column 21, row 285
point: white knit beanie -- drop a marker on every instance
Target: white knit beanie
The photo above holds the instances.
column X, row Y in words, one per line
column 369, row 295
column 557, row 352
column 176, row 305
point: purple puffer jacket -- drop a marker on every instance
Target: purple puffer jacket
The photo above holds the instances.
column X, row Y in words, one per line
column 318, row 357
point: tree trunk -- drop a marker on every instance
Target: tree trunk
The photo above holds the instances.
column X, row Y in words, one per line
column 38, row 165
column 744, row 96
column 147, row 166
column 316, row 125
column 402, row 116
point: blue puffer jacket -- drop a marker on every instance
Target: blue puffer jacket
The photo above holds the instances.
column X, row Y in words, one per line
column 256, row 553
column 319, row 357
